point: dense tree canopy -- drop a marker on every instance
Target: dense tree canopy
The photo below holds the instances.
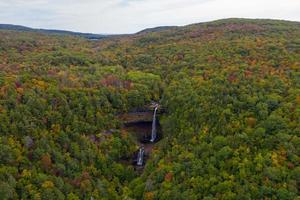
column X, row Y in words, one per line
column 231, row 94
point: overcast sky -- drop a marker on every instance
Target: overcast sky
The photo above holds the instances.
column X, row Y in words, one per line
column 128, row 16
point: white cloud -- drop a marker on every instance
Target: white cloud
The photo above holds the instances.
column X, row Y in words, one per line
column 127, row 16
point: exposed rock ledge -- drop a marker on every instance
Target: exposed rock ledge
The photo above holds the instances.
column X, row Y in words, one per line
column 136, row 117
column 139, row 115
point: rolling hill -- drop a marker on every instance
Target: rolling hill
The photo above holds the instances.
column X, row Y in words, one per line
column 230, row 126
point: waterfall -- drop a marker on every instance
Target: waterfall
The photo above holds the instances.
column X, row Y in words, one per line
column 153, row 132
column 140, row 158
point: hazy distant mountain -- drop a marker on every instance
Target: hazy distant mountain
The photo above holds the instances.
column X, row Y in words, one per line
column 49, row 31
column 85, row 35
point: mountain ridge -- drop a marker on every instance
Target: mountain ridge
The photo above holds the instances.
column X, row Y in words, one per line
column 52, row 31
column 162, row 28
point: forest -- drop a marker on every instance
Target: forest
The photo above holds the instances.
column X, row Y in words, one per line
column 230, row 90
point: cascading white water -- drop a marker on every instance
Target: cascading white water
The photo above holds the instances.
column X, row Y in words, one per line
column 153, row 132
column 140, row 158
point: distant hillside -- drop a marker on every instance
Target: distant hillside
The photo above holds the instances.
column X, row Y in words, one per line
column 157, row 29
column 166, row 31
column 49, row 31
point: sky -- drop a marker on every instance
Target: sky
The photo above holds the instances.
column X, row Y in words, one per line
column 130, row 16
